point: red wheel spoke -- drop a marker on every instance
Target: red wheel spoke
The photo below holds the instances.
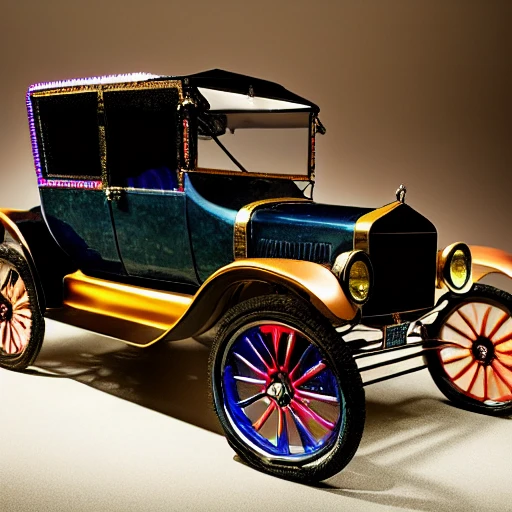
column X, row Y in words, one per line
column 289, row 349
column 458, row 331
column 258, row 355
column 257, row 371
column 315, row 370
column 485, row 319
column 305, row 413
column 468, row 323
column 498, row 325
column 302, row 358
column 317, row 396
column 276, row 331
column 258, row 424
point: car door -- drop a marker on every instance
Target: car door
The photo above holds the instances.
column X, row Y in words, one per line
column 148, row 205
column 64, row 126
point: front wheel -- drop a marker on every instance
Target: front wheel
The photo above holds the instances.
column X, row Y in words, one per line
column 473, row 365
column 286, row 390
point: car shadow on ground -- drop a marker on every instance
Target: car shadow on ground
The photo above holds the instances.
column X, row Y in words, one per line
column 172, row 379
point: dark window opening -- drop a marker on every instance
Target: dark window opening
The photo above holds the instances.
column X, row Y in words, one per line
column 68, row 135
column 142, row 138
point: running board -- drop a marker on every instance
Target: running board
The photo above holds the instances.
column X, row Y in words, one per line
column 129, row 332
column 134, row 304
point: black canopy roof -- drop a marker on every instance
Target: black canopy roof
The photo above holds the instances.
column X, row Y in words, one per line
column 227, row 81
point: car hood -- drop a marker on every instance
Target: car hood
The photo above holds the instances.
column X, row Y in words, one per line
column 303, row 230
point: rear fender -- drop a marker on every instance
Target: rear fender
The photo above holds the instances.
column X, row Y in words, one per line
column 9, row 231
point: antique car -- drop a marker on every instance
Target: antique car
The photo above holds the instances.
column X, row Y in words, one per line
column 308, row 303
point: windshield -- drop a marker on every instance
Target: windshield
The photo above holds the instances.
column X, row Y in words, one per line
column 259, row 150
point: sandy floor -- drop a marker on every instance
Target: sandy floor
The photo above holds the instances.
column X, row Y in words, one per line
column 123, row 429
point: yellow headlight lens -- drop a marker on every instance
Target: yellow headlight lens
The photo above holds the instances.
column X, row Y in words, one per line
column 359, row 281
column 459, row 269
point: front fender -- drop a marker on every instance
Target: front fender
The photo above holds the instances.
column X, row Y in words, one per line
column 487, row 260
column 309, row 280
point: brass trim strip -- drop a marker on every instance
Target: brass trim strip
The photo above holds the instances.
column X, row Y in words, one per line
column 120, row 86
column 365, row 223
column 243, row 217
column 225, row 172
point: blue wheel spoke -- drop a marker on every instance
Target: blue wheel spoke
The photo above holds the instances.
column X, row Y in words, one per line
column 283, row 444
column 309, row 443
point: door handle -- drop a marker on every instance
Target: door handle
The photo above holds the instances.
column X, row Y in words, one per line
column 113, row 194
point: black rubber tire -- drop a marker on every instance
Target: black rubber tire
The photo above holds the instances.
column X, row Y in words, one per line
column 300, row 316
column 478, row 293
column 28, row 355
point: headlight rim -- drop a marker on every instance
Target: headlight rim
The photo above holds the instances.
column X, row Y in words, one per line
column 342, row 267
column 444, row 268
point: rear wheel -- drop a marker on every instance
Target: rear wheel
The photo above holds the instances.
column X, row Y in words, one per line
column 473, row 367
column 21, row 322
column 286, row 390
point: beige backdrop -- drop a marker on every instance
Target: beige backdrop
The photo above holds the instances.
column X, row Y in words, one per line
column 411, row 91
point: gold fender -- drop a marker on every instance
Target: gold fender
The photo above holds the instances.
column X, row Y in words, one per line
column 7, row 222
column 487, row 260
column 179, row 316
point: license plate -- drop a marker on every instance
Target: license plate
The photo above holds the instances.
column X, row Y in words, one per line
column 396, row 335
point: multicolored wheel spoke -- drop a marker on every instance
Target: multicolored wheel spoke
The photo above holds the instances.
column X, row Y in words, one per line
column 281, row 393
column 15, row 314
column 481, row 369
column 319, row 367
column 317, row 396
column 257, row 371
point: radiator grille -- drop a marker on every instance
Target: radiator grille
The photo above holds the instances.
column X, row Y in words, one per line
column 404, row 272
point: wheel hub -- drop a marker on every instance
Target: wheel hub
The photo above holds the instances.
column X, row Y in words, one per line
column 5, row 310
column 483, row 350
column 280, row 390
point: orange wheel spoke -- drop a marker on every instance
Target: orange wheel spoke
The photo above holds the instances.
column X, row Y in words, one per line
column 502, row 372
column 506, row 338
column 464, row 370
column 459, row 332
column 473, row 380
column 485, row 319
column 454, row 357
column 264, row 417
column 498, row 325
column 468, row 322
